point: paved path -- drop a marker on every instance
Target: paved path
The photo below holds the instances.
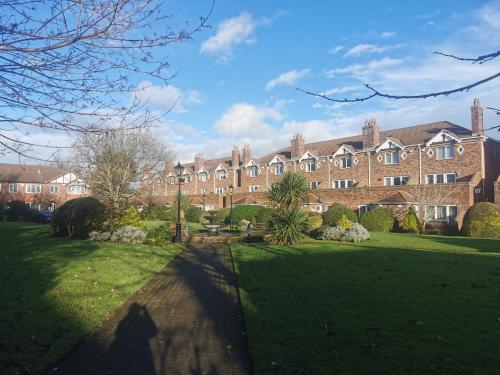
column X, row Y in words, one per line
column 186, row 320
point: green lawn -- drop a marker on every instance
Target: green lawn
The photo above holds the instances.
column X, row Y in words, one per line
column 398, row 303
column 54, row 290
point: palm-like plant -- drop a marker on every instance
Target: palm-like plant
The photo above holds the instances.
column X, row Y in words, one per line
column 287, row 224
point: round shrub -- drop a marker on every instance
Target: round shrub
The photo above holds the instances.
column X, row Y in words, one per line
column 193, row 214
column 332, row 234
column 77, row 217
column 129, row 234
column 264, row 214
column 482, row 220
column 315, row 222
column 378, row 220
column 130, row 216
column 410, row 222
column 252, row 213
column 335, row 212
column 222, row 215
column 356, row 233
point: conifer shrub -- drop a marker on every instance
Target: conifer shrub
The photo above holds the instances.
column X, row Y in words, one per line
column 378, row 220
column 410, row 221
column 482, row 220
column 335, row 212
column 193, row 214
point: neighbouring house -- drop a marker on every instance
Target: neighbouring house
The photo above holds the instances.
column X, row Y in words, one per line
column 39, row 186
column 439, row 168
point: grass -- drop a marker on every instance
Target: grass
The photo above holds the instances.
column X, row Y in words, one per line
column 55, row 291
column 398, row 303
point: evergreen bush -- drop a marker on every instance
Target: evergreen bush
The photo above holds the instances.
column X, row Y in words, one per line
column 482, row 220
column 287, row 227
column 20, row 211
column 335, row 212
column 378, row 220
column 77, row 217
column 193, row 214
column 314, row 223
column 159, row 236
column 410, row 221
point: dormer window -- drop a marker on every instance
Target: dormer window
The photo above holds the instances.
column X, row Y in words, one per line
column 346, row 162
column 311, row 166
column 222, row 175
column 254, row 171
column 392, row 157
column 279, row 169
column 444, row 152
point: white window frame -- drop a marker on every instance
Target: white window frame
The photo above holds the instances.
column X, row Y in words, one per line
column 76, row 189
column 203, row 176
column 342, row 184
column 389, row 157
column 448, row 217
column 222, row 175
column 254, row 171
column 13, row 188
column 253, row 188
column 346, row 162
column 364, row 208
column 392, row 179
column 445, row 177
column 312, row 185
column 279, row 169
column 219, row 190
column 33, row 188
column 311, row 166
column 447, row 153
column 54, row 189
column 185, row 191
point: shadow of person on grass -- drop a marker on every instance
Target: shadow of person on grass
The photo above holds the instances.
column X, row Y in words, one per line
column 130, row 351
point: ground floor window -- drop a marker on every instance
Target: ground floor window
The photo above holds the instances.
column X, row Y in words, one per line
column 54, row 189
column 446, row 213
column 441, row 178
column 313, row 184
column 253, row 188
column 341, row 184
column 364, row 208
column 219, row 190
column 33, row 188
column 13, row 188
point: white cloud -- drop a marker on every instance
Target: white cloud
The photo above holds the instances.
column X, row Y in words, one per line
column 230, row 33
column 334, row 50
column 247, row 119
column 362, row 71
column 387, row 34
column 362, row 49
column 168, row 97
column 289, row 78
column 490, row 13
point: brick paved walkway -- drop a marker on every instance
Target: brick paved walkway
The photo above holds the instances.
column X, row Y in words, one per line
column 186, row 320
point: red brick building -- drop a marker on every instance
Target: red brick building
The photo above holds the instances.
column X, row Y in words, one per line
column 39, row 186
column 440, row 168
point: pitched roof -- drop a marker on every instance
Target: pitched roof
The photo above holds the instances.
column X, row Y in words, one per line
column 29, row 173
column 400, row 197
column 412, row 135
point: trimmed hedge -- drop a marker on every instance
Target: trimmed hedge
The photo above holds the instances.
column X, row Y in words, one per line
column 335, row 212
column 20, row 211
column 482, row 220
column 77, row 217
column 378, row 220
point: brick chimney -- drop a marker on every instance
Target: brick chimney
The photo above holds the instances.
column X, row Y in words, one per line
column 199, row 161
column 476, row 112
column 168, row 166
column 297, row 146
column 247, row 154
column 235, row 157
column 371, row 133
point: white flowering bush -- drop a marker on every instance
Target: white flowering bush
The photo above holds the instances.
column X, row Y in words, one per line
column 99, row 236
column 332, row 233
column 129, row 234
column 356, row 233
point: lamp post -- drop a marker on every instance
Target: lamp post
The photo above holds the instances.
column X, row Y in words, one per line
column 204, row 197
column 478, row 192
column 231, row 188
column 179, row 170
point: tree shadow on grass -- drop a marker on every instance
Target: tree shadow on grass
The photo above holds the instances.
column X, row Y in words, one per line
column 369, row 309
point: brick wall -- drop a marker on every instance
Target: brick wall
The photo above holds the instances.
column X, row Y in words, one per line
column 59, row 198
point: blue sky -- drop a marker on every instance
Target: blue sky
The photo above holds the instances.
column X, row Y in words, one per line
column 236, row 82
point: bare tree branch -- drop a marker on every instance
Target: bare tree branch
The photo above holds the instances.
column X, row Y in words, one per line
column 480, row 59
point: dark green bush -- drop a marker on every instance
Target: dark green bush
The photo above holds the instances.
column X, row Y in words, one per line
column 378, row 220
column 335, row 212
column 20, row 211
column 222, row 215
column 252, row 213
column 441, row 228
column 193, row 214
column 482, row 220
column 77, row 217
column 410, row 222
column 159, row 236
column 286, row 228
column 157, row 212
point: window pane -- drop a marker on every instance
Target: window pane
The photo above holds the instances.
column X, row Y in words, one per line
column 451, row 177
column 430, row 179
column 387, row 181
column 349, row 183
column 440, row 178
column 429, row 212
column 397, row 181
column 452, row 213
column 441, row 213
column 449, row 152
column 404, row 180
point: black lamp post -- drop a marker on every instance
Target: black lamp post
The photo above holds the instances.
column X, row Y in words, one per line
column 179, row 170
column 478, row 192
column 231, row 211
